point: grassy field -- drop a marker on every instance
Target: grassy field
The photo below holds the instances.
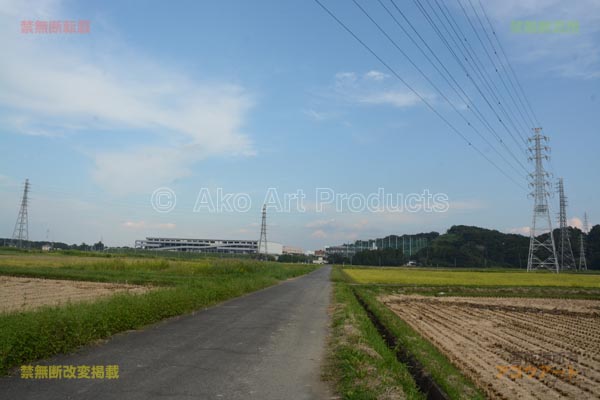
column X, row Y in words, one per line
column 181, row 287
column 361, row 366
column 359, row 353
column 444, row 373
column 428, row 277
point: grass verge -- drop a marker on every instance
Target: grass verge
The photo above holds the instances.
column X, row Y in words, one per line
column 443, row 372
column 360, row 364
column 27, row 336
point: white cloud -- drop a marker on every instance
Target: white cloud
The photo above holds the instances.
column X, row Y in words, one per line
column 345, row 78
column 352, row 226
column 146, row 225
column 141, row 169
column 523, row 230
column 319, row 223
column 467, row 205
column 396, row 99
column 376, row 75
column 318, row 115
column 371, row 89
column 5, row 180
column 53, row 87
column 335, row 230
column 319, row 234
column 575, row 222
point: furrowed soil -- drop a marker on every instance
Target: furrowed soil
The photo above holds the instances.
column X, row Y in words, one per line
column 525, row 348
column 23, row 294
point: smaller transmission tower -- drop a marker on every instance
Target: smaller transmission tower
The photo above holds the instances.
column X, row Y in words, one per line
column 262, row 242
column 565, row 251
column 582, row 237
column 542, row 253
column 21, row 231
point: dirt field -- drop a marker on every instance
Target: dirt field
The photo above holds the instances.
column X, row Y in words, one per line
column 19, row 294
column 513, row 348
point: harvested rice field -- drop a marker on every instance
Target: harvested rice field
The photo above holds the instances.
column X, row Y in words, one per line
column 513, row 348
column 22, row 294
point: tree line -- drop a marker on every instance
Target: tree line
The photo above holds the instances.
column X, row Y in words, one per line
column 474, row 247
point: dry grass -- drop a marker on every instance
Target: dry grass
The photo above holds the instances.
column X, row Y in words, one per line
column 22, row 294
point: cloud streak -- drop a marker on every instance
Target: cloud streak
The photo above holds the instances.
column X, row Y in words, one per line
column 114, row 89
column 371, row 88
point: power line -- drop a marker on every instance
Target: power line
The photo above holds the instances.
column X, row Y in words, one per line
column 443, row 39
column 469, row 103
column 397, row 75
column 531, row 122
column 492, row 62
column 529, row 108
column 521, row 95
column 472, row 59
column 433, row 84
column 458, row 89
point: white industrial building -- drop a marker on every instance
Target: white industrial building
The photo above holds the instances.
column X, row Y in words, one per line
column 227, row 246
column 292, row 250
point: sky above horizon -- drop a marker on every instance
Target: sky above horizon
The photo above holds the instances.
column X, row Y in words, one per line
column 243, row 97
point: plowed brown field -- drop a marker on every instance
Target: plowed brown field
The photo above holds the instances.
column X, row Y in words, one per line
column 20, row 294
column 513, row 348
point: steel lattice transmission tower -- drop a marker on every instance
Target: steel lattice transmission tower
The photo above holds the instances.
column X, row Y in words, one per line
column 21, row 231
column 566, row 260
column 582, row 236
column 263, row 234
column 542, row 253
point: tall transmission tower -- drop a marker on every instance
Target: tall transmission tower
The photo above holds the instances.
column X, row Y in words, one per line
column 582, row 236
column 566, row 259
column 263, row 234
column 21, row 231
column 542, row 253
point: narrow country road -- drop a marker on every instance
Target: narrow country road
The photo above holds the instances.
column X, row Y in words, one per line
column 266, row 345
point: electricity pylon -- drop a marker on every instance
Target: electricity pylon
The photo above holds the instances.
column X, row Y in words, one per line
column 542, row 253
column 566, row 259
column 582, row 236
column 263, row 235
column 21, row 231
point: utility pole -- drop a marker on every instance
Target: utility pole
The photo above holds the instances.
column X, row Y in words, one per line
column 542, row 253
column 565, row 251
column 263, row 234
column 21, row 231
column 582, row 236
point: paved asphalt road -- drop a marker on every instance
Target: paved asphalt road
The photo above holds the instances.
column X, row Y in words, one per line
column 266, row 345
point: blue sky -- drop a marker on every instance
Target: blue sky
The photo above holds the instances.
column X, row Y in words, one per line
column 246, row 96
